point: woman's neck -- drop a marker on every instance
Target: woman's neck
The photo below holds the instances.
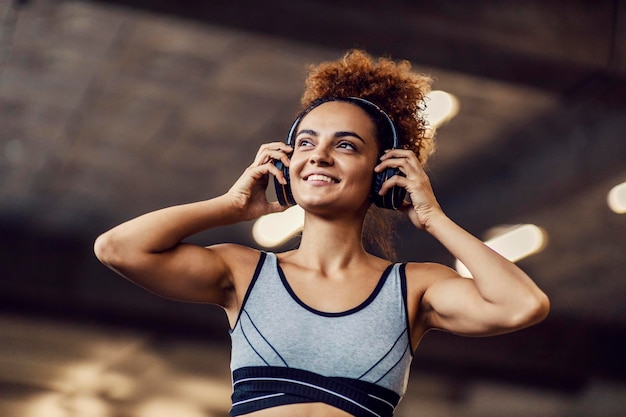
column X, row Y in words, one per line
column 331, row 244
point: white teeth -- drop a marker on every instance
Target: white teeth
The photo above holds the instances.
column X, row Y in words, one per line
column 318, row 177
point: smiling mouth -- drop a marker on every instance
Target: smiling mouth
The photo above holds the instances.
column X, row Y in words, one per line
column 319, row 177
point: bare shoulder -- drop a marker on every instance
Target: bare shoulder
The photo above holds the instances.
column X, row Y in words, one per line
column 426, row 273
column 240, row 260
column 420, row 276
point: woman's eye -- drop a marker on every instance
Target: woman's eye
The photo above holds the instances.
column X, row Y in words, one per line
column 303, row 142
column 347, row 145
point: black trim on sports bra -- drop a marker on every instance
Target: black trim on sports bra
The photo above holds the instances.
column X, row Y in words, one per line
column 257, row 271
column 405, row 300
column 368, row 300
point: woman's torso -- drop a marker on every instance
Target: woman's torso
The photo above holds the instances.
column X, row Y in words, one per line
column 368, row 352
column 300, row 410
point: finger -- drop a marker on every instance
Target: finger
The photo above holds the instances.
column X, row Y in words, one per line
column 257, row 172
column 270, row 156
column 396, row 163
column 277, row 173
column 273, row 151
column 275, row 146
column 396, row 180
column 401, row 155
column 389, row 163
column 398, row 153
column 404, row 162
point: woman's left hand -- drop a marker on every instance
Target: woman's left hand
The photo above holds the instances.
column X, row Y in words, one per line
column 423, row 204
column 499, row 299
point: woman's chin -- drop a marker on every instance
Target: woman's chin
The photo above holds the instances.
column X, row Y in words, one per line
column 331, row 208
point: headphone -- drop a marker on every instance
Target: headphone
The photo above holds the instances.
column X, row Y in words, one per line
column 392, row 199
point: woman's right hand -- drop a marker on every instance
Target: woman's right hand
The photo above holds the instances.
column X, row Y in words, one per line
column 149, row 249
column 248, row 193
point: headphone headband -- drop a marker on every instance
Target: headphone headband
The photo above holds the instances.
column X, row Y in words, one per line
column 392, row 126
column 361, row 102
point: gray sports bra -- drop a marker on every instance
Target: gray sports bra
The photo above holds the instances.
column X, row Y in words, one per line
column 285, row 352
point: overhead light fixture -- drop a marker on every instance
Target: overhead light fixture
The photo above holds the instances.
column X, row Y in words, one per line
column 441, row 107
column 616, row 199
column 275, row 229
column 514, row 243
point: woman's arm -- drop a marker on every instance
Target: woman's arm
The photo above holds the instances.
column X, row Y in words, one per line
column 148, row 250
column 500, row 298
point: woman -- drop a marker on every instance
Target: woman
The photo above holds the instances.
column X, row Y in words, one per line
column 328, row 329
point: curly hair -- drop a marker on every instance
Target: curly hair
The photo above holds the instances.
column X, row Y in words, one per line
column 396, row 90
column 390, row 85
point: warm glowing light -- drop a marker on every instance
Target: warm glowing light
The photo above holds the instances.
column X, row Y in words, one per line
column 64, row 405
column 441, row 107
column 90, row 379
column 617, row 198
column 167, row 407
column 515, row 243
column 208, row 393
column 49, row 405
column 277, row 228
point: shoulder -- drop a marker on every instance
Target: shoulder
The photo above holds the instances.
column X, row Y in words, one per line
column 420, row 276
column 239, row 259
column 232, row 251
column 427, row 271
column 241, row 262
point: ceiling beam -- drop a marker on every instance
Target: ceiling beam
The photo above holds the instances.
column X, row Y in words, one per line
column 556, row 45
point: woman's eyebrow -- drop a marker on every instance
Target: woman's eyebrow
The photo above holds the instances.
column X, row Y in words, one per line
column 340, row 134
column 308, row 132
column 343, row 134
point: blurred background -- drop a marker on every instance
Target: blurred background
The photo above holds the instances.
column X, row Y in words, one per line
column 109, row 109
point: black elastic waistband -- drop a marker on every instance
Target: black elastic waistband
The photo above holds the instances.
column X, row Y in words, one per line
column 257, row 388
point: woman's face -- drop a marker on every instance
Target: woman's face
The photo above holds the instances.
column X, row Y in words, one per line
column 335, row 151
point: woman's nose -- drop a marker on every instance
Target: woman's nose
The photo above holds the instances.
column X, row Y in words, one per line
column 321, row 156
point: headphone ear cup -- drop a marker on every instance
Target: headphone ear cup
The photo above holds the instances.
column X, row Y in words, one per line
column 379, row 179
column 394, row 197
column 283, row 191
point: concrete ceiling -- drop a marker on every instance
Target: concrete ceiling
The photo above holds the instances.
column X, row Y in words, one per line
column 110, row 109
